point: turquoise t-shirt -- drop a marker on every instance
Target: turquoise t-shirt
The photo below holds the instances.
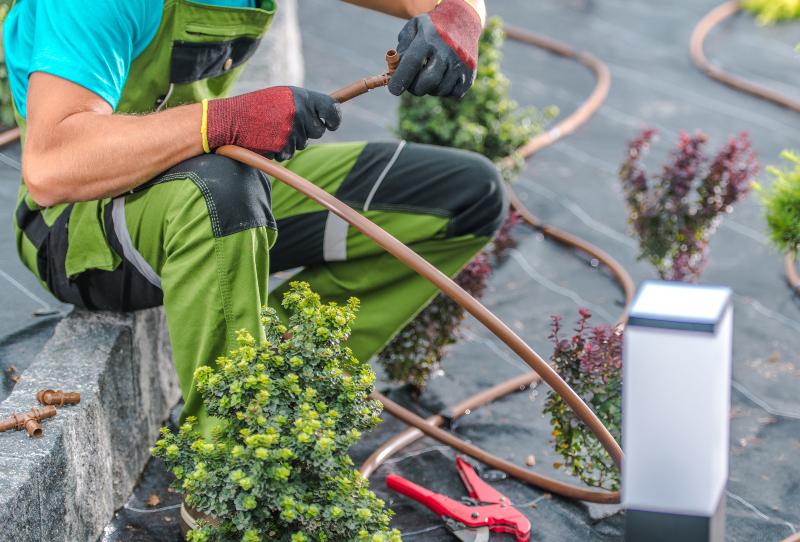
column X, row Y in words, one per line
column 89, row 43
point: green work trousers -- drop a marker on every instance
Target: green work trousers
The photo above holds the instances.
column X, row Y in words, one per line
column 204, row 237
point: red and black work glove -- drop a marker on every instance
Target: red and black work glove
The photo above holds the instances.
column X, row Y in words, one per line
column 274, row 122
column 439, row 51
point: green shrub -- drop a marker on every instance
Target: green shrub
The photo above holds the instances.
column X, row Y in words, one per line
column 590, row 362
column 6, row 107
column 487, row 121
column 772, row 11
column 290, row 407
column 782, row 203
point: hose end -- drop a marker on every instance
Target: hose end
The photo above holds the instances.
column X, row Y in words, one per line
column 392, row 60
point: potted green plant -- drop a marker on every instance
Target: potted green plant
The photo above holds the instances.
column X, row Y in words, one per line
column 486, row 121
column 289, row 408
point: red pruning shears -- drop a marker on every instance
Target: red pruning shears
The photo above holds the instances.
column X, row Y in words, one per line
column 491, row 510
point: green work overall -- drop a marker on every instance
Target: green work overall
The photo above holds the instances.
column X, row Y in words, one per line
column 203, row 237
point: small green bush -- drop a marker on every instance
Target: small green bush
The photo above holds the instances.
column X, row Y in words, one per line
column 289, row 407
column 590, row 362
column 487, row 121
column 772, row 11
column 782, row 204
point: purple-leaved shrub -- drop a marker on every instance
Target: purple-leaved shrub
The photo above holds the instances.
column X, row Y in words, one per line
column 674, row 214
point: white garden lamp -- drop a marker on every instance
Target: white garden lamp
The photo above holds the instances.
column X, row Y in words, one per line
column 676, row 400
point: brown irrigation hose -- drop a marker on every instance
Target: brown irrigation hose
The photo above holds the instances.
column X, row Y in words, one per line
column 578, row 117
column 404, row 438
column 560, row 130
column 9, row 136
column 544, row 482
column 699, row 34
column 622, row 277
column 790, row 268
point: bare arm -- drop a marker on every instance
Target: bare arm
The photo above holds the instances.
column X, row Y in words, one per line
column 399, row 8
column 77, row 150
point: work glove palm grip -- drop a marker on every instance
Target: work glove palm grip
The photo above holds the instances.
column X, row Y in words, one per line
column 274, row 122
column 438, row 51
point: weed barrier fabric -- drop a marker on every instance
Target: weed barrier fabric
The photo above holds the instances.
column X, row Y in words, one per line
column 573, row 185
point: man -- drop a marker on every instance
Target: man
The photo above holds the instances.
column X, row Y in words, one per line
column 122, row 206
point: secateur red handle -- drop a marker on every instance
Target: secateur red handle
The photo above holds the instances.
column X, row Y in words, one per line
column 439, row 504
column 499, row 518
column 477, row 488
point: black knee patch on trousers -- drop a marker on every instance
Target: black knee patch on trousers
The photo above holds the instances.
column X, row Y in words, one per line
column 460, row 185
column 238, row 196
column 122, row 289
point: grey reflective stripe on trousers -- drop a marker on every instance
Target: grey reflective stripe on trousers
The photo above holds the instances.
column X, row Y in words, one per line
column 383, row 174
column 129, row 252
column 334, row 244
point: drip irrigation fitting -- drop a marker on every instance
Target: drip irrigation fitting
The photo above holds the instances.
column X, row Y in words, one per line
column 699, row 34
column 29, row 421
column 58, row 398
column 369, row 83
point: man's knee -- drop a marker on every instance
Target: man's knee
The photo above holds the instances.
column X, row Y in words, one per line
column 237, row 197
column 483, row 203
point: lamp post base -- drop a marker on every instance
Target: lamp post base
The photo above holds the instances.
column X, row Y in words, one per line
column 648, row 526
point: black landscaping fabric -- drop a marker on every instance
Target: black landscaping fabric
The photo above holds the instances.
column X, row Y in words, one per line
column 572, row 185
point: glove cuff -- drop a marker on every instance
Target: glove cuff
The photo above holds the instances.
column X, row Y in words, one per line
column 478, row 5
column 204, row 128
column 261, row 121
column 459, row 25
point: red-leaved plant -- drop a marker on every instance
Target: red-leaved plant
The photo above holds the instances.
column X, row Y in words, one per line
column 675, row 213
column 590, row 362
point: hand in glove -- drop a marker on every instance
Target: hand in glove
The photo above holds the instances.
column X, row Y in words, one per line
column 439, row 50
column 273, row 122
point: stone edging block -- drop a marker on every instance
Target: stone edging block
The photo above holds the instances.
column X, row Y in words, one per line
column 67, row 485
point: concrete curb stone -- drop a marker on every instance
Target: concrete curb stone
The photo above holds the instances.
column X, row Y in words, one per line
column 66, row 485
